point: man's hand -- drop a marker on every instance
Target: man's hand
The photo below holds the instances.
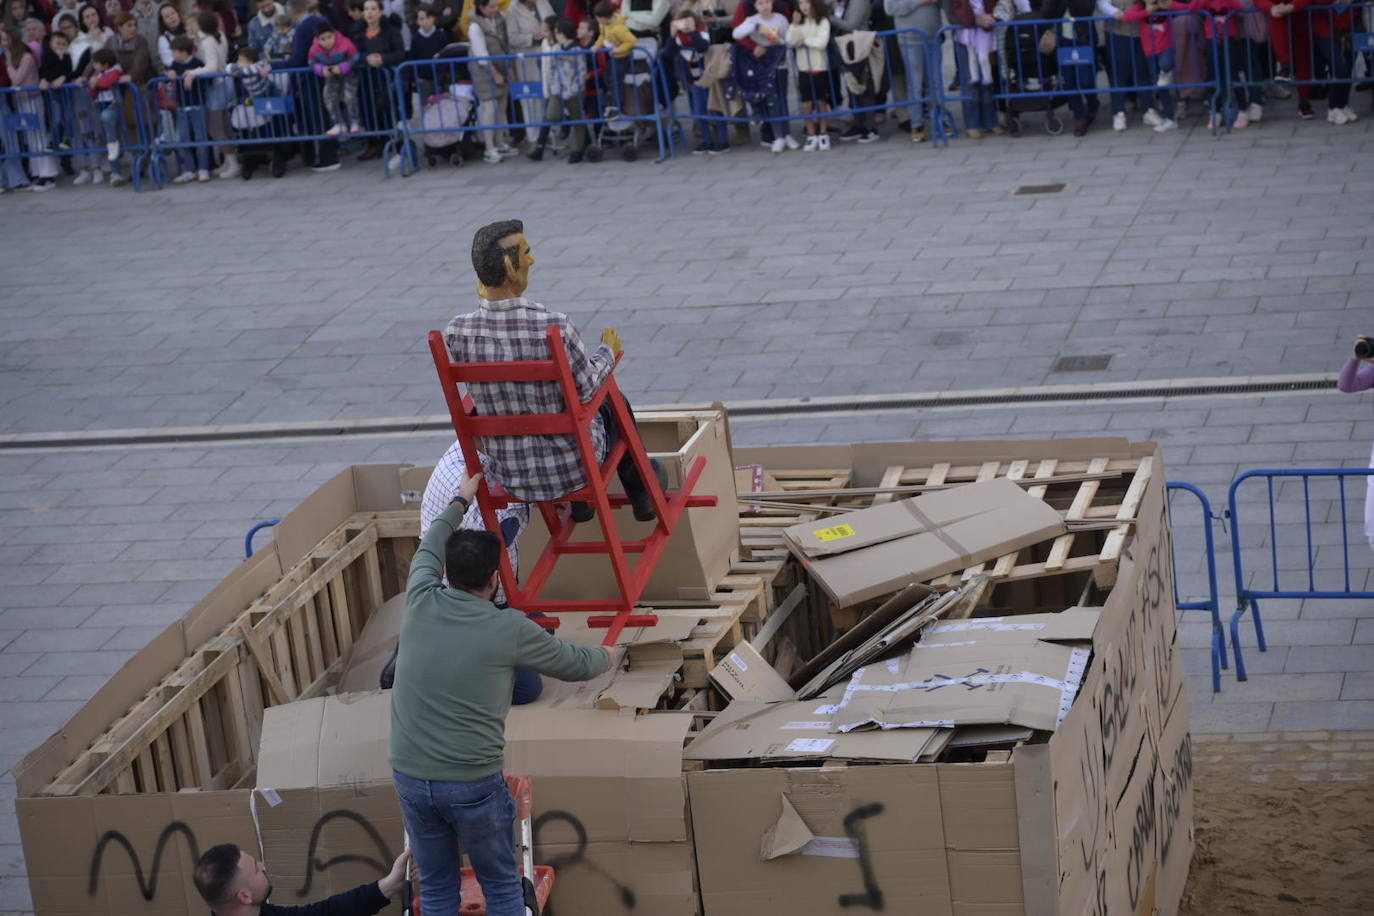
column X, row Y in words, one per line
column 612, row 339
column 467, row 487
column 397, row 877
column 374, row 60
column 759, row 51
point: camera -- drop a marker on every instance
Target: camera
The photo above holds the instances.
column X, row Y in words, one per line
column 1364, row 348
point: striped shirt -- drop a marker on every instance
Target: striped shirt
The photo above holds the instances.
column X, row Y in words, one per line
column 532, row 467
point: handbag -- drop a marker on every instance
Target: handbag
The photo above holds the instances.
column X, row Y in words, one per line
column 166, row 97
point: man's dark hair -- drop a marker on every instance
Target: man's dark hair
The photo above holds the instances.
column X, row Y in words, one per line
column 604, row 10
column 324, row 27
column 488, row 257
column 250, row 54
column 566, row 27
column 215, row 871
column 105, row 56
column 184, row 44
column 355, row 5
column 470, row 557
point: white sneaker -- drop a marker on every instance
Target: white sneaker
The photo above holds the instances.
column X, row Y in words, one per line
column 231, row 170
column 355, row 128
column 1152, row 118
column 507, row 151
column 1166, row 78
column 812, row 143
column 184, row 178
column 778, row 146
column 118, row 181
column 44, row 184
column 1119, row 121
column 1336, row 116
column 97, row 177
column 1165, row 125
column 203, row 176
column 1349, row 114
column 492, row 156
column 83, row 177
column 334, row 130
column 1256, row 112
column 112, row 150
column 824, row 142
column 791, row 141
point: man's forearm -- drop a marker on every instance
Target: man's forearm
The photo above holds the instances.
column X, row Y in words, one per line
column 428, row 565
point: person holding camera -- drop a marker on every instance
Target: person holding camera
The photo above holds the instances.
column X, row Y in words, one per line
column 1358, row 375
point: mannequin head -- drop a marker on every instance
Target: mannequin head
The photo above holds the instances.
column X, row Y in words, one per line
column 502, row 260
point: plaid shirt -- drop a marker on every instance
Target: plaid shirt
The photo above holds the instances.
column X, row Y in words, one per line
column 514, row 330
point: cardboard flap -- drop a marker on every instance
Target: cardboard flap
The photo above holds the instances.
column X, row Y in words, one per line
column 788, row 834
column 1075, row 625
column 903, row 517
column 744, row 675
column 652, row 670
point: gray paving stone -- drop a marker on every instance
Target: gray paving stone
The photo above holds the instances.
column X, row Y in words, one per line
column 1321, row 715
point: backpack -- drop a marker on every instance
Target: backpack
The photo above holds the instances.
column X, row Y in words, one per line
column 963, row 13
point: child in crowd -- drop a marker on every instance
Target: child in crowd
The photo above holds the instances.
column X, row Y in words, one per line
column 277, row 50
column 613, row 35
column 692, row 40
column 1239, row 53
column 105, row 76
column 194, row 162
column 810, row 36
column 253, row 70
column 756, row 72
column 332, row 55
column 980, row 114
column 213, row 49
column 428, row 39
column 587, row 35
column 56, row 69
column 567, row 77
column 21, row 66
column 1157, row 41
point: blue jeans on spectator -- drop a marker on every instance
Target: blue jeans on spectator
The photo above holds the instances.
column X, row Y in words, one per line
column 1243, row 57
column 981, row 113
column 1164, row 99
column 479, row 815
column 913, row 48
column 191, row 129
column 111, row 117
column 1127, row 68
column 713, row 133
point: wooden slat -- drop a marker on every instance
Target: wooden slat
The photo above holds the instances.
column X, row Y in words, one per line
column 200, row 748
column 237, row 715
column 147, row 772
column 1006, row 563
column 1110, row 554
column 124, row 783
column 181, row 754
column 343, row 623
column 162, row 753
column 1015, row 471
column 1087, row 490
column 300, row 653
column 891, row 478
column 282, row 665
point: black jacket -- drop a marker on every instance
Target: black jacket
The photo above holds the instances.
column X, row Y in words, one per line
column 388, row 43
column 364, row 900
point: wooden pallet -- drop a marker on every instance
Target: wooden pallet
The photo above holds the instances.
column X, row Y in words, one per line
column 199, row 727
column 761, row 526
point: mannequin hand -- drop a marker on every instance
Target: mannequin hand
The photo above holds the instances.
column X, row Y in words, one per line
column 612, row 339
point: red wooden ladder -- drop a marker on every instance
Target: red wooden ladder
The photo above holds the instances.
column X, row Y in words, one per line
column 614, row 614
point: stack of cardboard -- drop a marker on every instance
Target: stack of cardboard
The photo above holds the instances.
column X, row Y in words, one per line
column 1014, row 741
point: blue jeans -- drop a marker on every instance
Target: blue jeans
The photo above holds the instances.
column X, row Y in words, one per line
column 981, row 113
column 191, row 129
column 1164, row 99
column 713, row 133
column 480, row 815
column 913, row 49
column 111, row 120
column 1127, row 68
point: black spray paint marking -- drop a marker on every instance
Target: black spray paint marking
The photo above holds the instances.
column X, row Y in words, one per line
column 312, row 864
column 146, row 886
column 1176, row 783
column 579, row 855
column 872, row 896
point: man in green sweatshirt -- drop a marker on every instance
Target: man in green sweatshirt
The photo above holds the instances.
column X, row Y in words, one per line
column 453, row 683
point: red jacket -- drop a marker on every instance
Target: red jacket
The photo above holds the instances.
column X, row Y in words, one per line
column 104, row 81
column 1157, row 32
column 1217, row 22
column 1326, row 23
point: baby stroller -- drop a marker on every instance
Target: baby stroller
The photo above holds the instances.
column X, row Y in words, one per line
column 262, row 132
column 1022, row 68
column 449, row 106
column 634, row 97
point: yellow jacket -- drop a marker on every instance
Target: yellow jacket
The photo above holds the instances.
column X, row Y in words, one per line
column 465, row 18
column 617, row 33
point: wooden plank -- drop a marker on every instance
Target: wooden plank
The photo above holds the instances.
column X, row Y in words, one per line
column 1006, row 563
column 237, row 715
column 300, row 653
column 124, row 783
column 1059, row 551
column 892, row 477
column 771, row 496
column 323, row 611
column 1110, row 555
column 181, row 754
column 1015, row 471
column 308, row 619
column 372, row 580
column 162, row 754
column 200, row 748
column 147, row 772
column 281, row 664
column 343, row 623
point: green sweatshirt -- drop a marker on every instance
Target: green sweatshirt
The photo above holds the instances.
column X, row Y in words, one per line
column 456, row 670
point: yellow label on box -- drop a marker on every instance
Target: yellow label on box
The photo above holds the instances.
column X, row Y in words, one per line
column 835, row 533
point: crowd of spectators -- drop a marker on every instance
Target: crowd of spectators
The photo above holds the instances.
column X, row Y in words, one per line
column 68, row 64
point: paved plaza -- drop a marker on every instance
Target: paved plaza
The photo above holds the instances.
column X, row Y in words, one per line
column 884, row 269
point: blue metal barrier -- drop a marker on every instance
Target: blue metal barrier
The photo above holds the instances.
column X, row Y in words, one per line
column 248, row 538
column 1212, row 603
column 296, row 107
column 1025, row 79
column 457, row 98
column 1316, row 46
column 40, row 126
column 1246, row 597
column 848, row 85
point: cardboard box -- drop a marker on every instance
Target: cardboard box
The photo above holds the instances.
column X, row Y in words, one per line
column 609, row 798
column 744, row 674
column 874, row 552
column 703, row 544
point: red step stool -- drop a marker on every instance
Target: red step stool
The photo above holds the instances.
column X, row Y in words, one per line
column 612, row 614
column 473, row 902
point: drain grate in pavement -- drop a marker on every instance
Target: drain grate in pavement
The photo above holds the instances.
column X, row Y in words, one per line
column 1054, row 188
column 1082, row 363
